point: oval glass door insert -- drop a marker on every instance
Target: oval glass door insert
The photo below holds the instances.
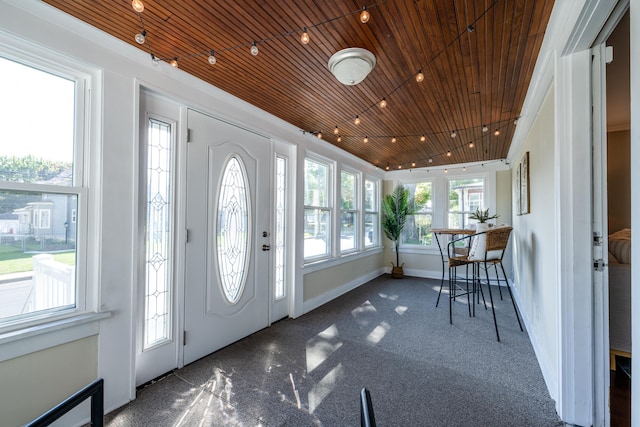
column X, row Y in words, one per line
column 232, row 231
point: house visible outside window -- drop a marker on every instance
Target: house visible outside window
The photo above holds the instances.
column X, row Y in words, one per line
column 317, row 209
column 417, row 230
column 41, row 189
column 371, row 213
column 465, row 196
column 348, row 211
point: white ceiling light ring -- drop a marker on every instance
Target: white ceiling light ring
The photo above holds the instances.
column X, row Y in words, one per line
column 352, row 65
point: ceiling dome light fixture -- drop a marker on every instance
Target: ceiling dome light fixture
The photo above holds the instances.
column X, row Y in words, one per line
column 137, row 5
column 364, row 16
column 141, row 37
column 352, row 65
column 212, row 58
column 304, row 38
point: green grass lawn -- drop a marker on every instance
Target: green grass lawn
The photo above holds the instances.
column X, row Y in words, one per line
column 13, row 260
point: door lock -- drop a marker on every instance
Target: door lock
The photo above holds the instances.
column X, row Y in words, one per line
column 266, row 247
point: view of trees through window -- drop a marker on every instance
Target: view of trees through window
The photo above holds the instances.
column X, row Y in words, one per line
column 417, row 230
column 39, row 209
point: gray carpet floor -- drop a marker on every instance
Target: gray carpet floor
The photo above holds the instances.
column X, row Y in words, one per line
column 387, row 336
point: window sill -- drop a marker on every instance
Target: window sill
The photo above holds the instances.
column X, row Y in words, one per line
column 348, row 257
column 30, row 339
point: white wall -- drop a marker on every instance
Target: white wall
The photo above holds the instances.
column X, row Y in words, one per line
column 535, row 258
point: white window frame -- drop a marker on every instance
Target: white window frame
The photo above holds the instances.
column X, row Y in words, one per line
column 375, row 211
column 484, row 205
column 51, row 328
column 434, row 208
column 356, row 210
column 329, row 209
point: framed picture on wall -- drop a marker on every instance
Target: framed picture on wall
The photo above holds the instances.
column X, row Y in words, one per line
column 525, row 205
column 517, row 186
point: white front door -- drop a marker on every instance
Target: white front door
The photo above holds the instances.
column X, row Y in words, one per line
column 228, row 235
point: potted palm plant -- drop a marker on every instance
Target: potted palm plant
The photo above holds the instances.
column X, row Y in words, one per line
column 396, row 207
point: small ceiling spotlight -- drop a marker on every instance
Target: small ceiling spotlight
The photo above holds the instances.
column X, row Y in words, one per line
column 141, row 37
column 336, row 131
column 497, row 132
column 364, row 15
column 174, row 62
column 453, row 134
column 304, row 38
column 212, row 58
column 254, row 49
column 383, row 103
column 419, row 76
column 356, row 121
column 485, row 128
column 137, row 5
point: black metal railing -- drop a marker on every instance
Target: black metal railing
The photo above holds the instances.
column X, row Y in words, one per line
column 95, row 391
column 367, row 419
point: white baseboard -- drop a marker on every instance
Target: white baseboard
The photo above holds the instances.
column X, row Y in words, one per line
column 545, row 366
column 316, row 302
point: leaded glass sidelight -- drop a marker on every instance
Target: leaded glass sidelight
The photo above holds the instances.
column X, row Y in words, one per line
column 281, row 209
column 232, row 231
column 158, row 228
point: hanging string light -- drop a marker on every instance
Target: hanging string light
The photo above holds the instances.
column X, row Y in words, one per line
column 485, row 128
column 319, row 135
column 393, row 140
column 419, row 76
column 141, row 37
column 304, row 38
column 138, row 6
column 364, row 16
column 453, row 134
column 423, row 138
column 470, row 144
column 174, row 62
column 254, row 49
column 366, row 139
column 497, row 132
column 336, row 131
column 356, row 121
column 212, row 58
column 383, row 103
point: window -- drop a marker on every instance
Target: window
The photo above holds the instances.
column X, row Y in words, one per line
column 417, row 230
column 317, row 209
column 371, row 213
column 348, row 212
column 465, row 196
column 42, row 198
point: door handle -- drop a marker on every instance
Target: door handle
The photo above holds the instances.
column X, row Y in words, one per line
column 266, row 247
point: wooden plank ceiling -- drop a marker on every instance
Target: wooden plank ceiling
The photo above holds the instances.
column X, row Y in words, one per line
column 477, row 57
